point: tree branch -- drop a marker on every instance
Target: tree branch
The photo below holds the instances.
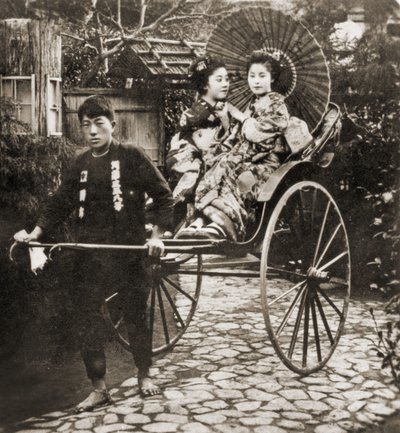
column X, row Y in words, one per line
column 91, row 12
column 103, row 54
column 67, row 35
column 143, row 7
column 99, row 33
column 154, row 25
column 194, row 15
column 116, row 23
column 114, row 50
column 77, row 38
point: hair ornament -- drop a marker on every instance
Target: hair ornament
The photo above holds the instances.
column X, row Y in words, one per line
column 198, row 65
column 201, row 65
column 276, row 55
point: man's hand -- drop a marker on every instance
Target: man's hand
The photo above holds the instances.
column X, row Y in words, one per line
column 156, row 247
column 24, row 237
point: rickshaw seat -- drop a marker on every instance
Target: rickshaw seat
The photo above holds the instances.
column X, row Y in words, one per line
column 329, row 120
column 329, row 126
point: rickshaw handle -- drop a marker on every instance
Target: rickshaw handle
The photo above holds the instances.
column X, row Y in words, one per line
column 208, row 246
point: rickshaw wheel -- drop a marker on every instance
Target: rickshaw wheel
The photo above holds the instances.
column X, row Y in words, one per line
column 171, row 304
column 305, row 276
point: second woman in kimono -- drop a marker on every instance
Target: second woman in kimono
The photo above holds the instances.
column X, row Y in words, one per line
column 228, row 192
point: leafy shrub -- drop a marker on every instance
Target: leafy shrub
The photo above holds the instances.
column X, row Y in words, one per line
column 29, row 165
column 29, row 170
column 176, row 101
column 388, row 346
column 370, row 161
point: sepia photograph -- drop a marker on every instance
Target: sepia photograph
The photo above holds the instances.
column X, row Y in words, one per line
column 199, row 212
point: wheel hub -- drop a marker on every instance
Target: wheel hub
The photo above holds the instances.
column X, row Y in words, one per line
column 315, row 274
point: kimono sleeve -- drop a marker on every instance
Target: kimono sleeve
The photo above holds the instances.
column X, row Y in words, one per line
column 157, row 188
column 194, row 117
column 280, row 114
column 269, row 124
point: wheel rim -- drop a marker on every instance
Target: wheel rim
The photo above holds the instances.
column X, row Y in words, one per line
column 305, row 277
column 171, row 303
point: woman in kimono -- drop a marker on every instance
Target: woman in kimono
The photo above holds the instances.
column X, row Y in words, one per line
column 203, row 131
column 228, row 191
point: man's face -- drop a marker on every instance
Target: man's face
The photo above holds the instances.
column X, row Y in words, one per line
column 97, row 132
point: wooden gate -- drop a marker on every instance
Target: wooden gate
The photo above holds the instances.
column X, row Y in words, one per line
column 138, row 115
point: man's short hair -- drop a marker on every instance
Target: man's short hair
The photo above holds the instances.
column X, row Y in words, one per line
column 95, row 106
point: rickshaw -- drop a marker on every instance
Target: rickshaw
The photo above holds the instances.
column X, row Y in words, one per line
column 297, row 251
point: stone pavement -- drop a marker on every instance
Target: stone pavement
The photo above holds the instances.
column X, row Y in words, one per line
column 223, row 376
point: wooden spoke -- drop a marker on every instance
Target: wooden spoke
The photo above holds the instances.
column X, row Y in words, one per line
column 316, row 332
column 314, row 201
column 334, row 260
column 321, row 232
column 297, row 324
column 162, row 312
column 172, row 303
column 118, row 324
column 111, row 297
column 176, row 287
column 306, row 325
column 152, row 306
column 285, row 271
column 323, row 317
column 286, row 293
column 290, row 311
column 328, row 244
column 330, row 302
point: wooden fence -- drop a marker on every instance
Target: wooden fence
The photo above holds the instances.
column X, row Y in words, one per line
column 138, row 114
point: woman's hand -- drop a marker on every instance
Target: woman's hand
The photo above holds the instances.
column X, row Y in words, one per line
column 236, row 113
column 221, row 111
column 190, row 213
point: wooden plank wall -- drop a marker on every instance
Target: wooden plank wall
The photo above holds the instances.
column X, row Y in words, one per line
column 138, row 115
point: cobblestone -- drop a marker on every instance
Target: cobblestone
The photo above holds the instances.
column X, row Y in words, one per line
column 237, row 384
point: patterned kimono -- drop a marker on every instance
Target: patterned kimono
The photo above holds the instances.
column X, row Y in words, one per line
column 232, row 180
column 200, row 137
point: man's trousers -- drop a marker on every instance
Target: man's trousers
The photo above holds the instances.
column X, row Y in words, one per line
column 96, row 276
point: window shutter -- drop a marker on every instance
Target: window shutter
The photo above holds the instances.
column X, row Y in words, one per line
column 22, row 90
column 54, row 106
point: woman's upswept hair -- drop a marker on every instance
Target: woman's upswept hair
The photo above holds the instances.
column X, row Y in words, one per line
column 201, row 68
column 263, row 58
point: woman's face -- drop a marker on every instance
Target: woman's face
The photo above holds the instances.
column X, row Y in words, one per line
column 218, row 85
column 259, row 79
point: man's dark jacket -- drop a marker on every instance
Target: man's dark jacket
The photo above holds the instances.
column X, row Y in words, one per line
column 138, row 176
